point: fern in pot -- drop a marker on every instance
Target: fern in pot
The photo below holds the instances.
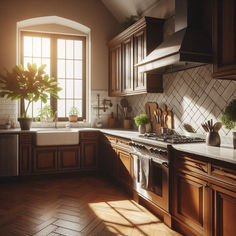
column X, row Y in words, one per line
column 27, row 84
column 141, row 121
column 229, row 119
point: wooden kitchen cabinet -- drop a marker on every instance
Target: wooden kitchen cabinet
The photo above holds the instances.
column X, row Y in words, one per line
column 126, row 50
column 190, row 203
column 224, row 40
column 224, row 211
column 204, row 195
column 25, row 154
column 69, row 158
column 89, row 149
column 45, row 160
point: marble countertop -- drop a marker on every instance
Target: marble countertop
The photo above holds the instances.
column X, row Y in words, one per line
column 223, row 153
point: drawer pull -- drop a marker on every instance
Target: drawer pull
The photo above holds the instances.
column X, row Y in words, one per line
column 200, row 167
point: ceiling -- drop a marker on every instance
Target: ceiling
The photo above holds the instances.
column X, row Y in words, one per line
column 125, row 8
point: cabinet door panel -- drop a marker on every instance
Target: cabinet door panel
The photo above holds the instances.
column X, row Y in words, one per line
column 127, row 80
column 89, row 154
column 115, row 71
column 45, row 160
column 25, row 159
column 225, row 211
column 190, row 200
column 69, row 158
column 139, row 54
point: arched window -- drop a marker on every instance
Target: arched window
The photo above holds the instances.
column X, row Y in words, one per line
column 65, row 53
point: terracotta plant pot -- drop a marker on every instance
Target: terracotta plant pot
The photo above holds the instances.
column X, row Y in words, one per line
column 25, row 123
column 73, row 118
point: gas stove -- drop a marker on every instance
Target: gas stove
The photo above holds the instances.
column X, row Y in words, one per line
column 171, row 138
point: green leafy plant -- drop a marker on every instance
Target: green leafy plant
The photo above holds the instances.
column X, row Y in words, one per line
column 228, row 117
column 45, row 114
column 29, row 84
column 74, row 111
column 141, row 119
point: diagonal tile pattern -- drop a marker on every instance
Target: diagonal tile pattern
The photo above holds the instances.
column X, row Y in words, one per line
column 193, row 96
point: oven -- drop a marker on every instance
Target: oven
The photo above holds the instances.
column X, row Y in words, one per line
column 151, row 173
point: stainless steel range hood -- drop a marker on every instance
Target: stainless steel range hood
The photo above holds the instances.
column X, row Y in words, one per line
column 189, row 46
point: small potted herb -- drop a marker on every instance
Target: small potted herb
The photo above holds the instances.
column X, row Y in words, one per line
column 229, row 118
column 45, row 114
column 73, row 114
column 141, row 121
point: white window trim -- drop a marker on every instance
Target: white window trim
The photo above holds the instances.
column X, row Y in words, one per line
column 21, row 25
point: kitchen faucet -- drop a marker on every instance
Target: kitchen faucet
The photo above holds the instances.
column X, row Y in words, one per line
column 55, row 119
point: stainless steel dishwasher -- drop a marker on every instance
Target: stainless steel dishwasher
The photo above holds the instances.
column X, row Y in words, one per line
column 9, row 149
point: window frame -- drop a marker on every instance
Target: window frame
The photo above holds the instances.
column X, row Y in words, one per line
column 53, row 63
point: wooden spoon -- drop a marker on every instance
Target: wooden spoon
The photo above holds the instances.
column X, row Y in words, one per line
column 217, row 126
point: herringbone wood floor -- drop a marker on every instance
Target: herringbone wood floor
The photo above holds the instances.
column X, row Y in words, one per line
column 72, row 205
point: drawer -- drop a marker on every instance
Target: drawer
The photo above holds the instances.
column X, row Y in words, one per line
column 123, row 142
column 25, row 138
column 190, row 164
column 110, row 139
column 223, row 173
column 88, row 135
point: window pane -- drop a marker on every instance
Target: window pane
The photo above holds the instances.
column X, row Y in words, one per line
column 45, row 47
column 78, row 104
column 69, row 105
column 36, row 46
column 69, row 69
column 61, row 48
column 28, row 46
column 61, row 83
column 37, row 61
column 69, row 88
column 69, row 49
column 61, row 108
column 78, row 89
column 26, row 61
column 47, row 62
column 78, row 69
column 78, row 49
column 36, row 108
column 60, row 68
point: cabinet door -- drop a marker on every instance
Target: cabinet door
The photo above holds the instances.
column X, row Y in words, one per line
column 69, row 158
column 127, row 79
column 25, row 159
column 89, row 154
column 25, row 155
column 139, row 54
column 115, row 71
column 124, row 167
column 45, row 160
column 224, row 39
column 224, row 211
column 190, row 203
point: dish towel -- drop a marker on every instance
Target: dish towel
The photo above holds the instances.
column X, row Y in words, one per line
column 146, row 173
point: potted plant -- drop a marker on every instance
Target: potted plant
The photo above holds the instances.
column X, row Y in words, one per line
column 229, row 118
column 141, row 120
column 31, row 84
column 45, row 114
column 73, row 114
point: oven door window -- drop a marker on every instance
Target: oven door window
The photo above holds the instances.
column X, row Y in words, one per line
column 157, row 179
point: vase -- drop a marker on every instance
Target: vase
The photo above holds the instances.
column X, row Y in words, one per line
column 213, row 139
column 234, row 140
column 142, row 129
column 25, row 123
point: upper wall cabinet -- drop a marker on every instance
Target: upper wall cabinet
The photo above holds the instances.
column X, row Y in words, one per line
column 126, row 50
column 224, row 39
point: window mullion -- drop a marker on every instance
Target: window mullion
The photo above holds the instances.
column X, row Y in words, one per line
column 53, row 63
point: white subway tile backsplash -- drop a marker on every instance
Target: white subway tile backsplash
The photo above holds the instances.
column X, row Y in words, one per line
column 193, row 96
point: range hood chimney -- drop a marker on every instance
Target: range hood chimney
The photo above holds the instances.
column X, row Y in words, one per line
column 190, row 45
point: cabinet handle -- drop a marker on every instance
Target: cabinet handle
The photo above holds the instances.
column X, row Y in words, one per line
column 200, row 167
column 207, row 186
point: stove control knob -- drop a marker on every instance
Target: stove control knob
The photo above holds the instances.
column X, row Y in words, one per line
column 143, row 147
column 163, row 152
column 151, row 150
column 131, row 144
column 157, row 151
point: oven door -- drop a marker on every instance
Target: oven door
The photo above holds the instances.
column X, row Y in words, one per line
column 159, row 178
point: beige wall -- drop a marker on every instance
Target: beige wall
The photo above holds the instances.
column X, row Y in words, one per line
column 90, row 13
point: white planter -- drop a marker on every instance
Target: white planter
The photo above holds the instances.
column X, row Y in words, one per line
column 141, row 129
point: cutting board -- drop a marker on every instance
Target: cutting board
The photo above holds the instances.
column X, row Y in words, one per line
column 150, row 107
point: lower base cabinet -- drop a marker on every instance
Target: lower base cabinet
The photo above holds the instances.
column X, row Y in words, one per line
column 89, row 155
column 56, row 159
